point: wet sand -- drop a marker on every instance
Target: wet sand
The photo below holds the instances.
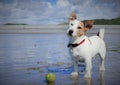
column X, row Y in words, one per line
column 32, row 29
column 27, row 55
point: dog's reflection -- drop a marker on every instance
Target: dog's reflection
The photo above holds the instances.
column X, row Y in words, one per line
column 75, row 79
column 90, row 82
column 102, row 78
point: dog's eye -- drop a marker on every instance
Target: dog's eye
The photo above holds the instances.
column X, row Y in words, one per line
column 79, row 27
column 71, row 24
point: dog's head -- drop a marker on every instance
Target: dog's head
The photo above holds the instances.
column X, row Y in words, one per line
column 78, row 28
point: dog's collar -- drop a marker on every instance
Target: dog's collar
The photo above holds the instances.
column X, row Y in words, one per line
column 75, row 45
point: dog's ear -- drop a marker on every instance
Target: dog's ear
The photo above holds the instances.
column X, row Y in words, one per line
column 88, row 24
column 72, row 16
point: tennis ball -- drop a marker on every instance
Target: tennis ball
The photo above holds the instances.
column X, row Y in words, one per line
column 50, row 77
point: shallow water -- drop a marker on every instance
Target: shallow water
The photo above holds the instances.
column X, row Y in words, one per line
column 25, row 59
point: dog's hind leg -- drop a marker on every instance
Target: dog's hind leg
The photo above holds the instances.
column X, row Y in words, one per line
column 102, row 54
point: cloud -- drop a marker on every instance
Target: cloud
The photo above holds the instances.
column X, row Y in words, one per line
column 63, row 3
column 47, row 12
column 93, row 9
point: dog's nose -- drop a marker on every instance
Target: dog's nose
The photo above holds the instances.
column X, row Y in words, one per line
column 70, row 32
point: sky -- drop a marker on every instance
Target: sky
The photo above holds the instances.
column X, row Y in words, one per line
column 37, row 12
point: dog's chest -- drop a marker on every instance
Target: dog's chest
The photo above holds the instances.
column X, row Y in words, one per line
column 78, row 55
column 77, row 52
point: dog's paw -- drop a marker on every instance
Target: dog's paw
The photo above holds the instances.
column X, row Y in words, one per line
column 87, row 76
column 102, row 69
column 74, row 74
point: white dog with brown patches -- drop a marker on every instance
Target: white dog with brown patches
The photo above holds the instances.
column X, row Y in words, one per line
column 84, row 48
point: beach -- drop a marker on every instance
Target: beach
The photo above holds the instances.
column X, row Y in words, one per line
column 29, row 52
column 51, row 28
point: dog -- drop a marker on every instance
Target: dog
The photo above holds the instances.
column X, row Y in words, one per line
column 83, row 48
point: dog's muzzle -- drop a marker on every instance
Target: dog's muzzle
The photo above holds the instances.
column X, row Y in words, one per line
column 70, row 32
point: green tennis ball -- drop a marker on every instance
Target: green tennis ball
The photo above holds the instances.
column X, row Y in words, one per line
column 50, row 77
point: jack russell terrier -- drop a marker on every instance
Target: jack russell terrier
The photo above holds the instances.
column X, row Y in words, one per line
column 84, row 48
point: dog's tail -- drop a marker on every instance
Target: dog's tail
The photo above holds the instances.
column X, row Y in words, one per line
column 101, row 33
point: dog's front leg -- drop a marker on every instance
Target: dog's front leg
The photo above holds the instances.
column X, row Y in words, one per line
column 75, row 66
column 75, row 73
column 88, row 67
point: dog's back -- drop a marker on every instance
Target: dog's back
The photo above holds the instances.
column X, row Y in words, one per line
column 97, row 43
